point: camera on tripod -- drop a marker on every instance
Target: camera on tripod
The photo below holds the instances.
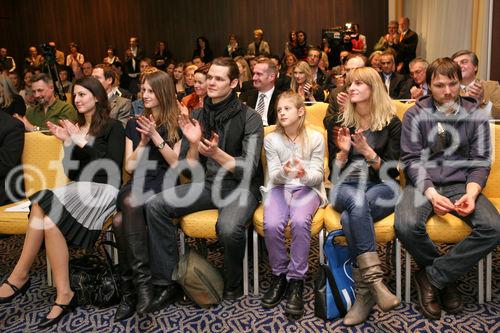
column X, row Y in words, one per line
column 48, row 52
column 50, row 67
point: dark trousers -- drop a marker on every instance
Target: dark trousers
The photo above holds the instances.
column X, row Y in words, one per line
column 412, row 213
column 234, row 217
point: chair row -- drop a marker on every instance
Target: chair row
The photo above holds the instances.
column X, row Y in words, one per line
column 446, row 229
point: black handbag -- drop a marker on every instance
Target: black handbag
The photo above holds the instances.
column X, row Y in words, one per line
column 95, row 279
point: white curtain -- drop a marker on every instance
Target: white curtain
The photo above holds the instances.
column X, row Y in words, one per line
column 443, row 26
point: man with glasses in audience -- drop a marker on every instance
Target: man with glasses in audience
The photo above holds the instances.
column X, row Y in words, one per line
column 418, row 86
column 389, row 39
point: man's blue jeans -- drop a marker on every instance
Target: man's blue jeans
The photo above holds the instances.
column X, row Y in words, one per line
column 412, row 214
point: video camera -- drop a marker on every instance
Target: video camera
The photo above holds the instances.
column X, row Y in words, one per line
column 48, row 53
column 340, row 34
column 50, row 67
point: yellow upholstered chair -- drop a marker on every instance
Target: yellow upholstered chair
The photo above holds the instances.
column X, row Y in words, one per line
column 42, row 168
column 315, row 113
column 258, row 217
column 202, row 225
column 449, row 229
column 384, row 233
column 402, row 107
column 69, row 98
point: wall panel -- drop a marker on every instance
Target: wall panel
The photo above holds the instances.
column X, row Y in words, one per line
column 98, row 23
column 495, row 49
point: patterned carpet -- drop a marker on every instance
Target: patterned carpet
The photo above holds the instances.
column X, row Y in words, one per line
column 245, row 315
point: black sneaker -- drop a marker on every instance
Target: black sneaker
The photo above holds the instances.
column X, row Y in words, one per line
column 275, row 292
column 295, row 298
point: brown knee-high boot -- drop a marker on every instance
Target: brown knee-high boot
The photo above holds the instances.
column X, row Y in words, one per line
column 369, row 264
column 358, row 313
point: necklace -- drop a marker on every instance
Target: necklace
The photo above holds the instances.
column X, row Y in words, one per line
column 290, row 139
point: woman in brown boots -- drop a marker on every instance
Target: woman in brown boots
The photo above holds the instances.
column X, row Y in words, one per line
column 363, row 191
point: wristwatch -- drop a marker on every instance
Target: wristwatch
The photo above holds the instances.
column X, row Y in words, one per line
column 373, row 160
column 161, row 145
column 36, row 128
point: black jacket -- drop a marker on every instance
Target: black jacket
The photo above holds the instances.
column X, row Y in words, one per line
column 250, row 98
column 398, row 86
column 11, row 150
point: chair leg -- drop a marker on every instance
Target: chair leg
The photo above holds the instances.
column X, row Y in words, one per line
column 50, row 283
column 480, row 282
column 488, row 276
column 255, row 263
column 407, row 276
column 321, row 241
column 398, row 269
column 182, row 243
column 245, row 269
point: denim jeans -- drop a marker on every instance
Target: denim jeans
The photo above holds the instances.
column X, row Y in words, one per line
column 413, row 212
column 360, row 206
column 232, row 223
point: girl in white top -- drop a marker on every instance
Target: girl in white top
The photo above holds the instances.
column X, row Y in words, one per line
column 294, row 192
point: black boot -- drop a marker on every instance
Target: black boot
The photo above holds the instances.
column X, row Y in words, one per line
column 275, row 292
column 126, row 308
column 295, row 298
column 139, row 260
column 165, row 295
column 127, row 305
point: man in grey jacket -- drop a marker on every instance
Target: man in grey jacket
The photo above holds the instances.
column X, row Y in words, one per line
column 120, row 106
column 446, row 155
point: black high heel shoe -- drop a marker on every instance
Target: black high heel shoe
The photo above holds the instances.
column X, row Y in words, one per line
column 22, row 290
column 66, row 308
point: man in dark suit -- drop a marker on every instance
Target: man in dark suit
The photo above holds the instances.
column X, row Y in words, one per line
column 262, row 97
column 133, row 56
column 283, row 80
column 395, row 83
column 313, row 58
column 406, row 45
column 120, row 106
column 11, row 149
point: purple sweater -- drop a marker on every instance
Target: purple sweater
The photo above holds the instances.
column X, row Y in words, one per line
column 441, row 150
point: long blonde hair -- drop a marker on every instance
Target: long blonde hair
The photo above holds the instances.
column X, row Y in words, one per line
column 8, row 91
column 303, row 67
column 163, row 86
column 382, row 108
column 247, row 74
column 302, row 135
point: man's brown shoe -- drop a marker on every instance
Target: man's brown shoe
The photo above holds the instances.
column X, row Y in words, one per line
column 451, row 299
column 427, row 296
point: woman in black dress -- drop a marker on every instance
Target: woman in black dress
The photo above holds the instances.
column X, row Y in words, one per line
column 74, row 213
column 153, row 137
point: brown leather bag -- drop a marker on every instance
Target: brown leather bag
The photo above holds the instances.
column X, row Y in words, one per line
column 201, row 281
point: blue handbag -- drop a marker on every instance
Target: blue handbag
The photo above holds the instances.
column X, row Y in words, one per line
column 333, row 284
